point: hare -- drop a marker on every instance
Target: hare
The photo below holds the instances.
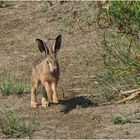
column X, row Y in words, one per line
column 46, row 73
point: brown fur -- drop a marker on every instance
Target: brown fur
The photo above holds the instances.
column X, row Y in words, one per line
column 46, row 73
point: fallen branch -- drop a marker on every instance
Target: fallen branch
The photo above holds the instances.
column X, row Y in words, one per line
column 126, row 93
column 134, row 94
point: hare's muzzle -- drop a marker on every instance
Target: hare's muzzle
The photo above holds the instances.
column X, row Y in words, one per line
column 55, row 70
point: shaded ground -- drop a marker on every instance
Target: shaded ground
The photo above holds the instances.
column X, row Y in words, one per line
column 77, row 115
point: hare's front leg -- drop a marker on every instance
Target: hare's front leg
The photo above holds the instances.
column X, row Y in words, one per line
column 55, row 95
column 33, row 94
column 49, row 91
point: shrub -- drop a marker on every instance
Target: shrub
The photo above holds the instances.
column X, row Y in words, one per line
column 124, row 15
column 120, row 41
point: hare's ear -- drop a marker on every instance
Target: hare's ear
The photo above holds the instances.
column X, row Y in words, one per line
column 57, row 43
column 42, row 46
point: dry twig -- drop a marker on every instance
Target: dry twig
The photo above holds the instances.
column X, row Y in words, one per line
column 134, row 93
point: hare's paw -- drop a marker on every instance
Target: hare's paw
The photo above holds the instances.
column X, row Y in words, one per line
column 33, row 104
column 45, row 104
column 55, row 100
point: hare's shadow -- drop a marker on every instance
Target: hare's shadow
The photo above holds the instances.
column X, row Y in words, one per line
column 70, row 104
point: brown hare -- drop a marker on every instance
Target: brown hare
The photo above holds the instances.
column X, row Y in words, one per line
column 46, row 73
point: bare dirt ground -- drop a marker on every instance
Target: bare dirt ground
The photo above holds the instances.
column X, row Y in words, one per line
column 84, row 116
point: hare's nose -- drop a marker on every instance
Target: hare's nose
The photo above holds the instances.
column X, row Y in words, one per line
column 55, row 69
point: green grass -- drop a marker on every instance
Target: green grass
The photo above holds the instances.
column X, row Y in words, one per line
column 15, row 88
column 5, row 85
column 12, row 126
column 20, row 88
column 120, row 120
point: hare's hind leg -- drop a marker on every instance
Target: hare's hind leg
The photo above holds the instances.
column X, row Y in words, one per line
column 45, row 103
column 33, row 94
column 55, row 95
